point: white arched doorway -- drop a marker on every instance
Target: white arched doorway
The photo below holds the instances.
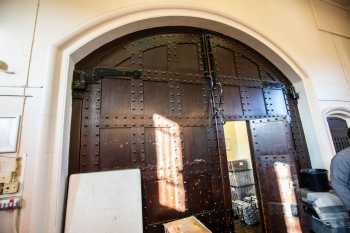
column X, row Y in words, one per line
column 341, row 113
column 76, row 46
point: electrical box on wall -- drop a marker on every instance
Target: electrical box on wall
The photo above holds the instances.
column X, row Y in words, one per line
column 9, row 174
column 10, row 188
column 10, row 169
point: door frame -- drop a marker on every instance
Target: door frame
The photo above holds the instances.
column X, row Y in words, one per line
column 53, row 149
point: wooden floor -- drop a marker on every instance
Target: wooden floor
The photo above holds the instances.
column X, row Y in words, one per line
column 241, row 228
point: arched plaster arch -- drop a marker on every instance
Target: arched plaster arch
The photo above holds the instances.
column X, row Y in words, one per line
column 342, row 112
column 75, row 46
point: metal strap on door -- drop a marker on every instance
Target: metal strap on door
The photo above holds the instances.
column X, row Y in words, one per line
column 98, row 73
column 215, row 102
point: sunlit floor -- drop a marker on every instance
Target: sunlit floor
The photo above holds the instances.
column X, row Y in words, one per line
column 242, row 228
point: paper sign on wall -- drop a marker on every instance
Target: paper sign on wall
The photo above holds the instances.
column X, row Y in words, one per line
column 9, row 134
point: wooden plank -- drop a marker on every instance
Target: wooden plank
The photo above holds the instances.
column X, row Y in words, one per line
column 232, row 101
column 186, row 225
column 115, row 97
column 74, row 149
column 275, row 167
column 115, row 147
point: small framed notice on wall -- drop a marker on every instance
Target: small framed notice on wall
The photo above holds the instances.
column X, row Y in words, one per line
column 9, row 128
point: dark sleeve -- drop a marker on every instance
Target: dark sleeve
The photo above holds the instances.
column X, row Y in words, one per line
column 340, row 175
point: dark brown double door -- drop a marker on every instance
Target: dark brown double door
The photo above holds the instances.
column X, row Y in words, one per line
column 162, row 123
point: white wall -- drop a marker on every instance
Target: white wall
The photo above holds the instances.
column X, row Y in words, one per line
column 314, row 34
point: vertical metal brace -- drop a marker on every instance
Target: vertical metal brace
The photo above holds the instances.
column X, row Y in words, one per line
column 214, row 86
column 292, row 92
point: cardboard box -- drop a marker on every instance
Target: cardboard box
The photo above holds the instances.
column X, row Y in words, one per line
column 186, row 225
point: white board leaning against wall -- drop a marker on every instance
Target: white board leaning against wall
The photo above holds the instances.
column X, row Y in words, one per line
column 105, row 202
column 9, row 126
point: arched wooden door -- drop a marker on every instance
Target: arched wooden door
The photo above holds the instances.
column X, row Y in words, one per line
column 163, row 121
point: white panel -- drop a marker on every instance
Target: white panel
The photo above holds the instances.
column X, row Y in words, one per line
column 342, row 46
column 331, row 18
column 9, row 134
column 105, row 202
column 11, row 91
column 16, row 36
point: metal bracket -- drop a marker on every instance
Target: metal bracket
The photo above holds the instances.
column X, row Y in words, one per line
column 97, row 74
column 215, row 87
column 290, row 90
column 293, row 93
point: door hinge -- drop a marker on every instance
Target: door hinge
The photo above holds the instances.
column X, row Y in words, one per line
column 293, row 94
column 83, row 78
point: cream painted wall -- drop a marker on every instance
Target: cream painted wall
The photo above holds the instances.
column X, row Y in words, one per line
column 312, row 33
column 17, row 23
column 237, row 141
column 340, row 16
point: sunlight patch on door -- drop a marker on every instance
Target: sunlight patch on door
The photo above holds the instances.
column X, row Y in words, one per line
column 287, row 195
column 285, row 182
column 169, row 163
